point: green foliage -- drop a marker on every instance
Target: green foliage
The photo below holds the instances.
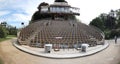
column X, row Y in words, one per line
column 7, row 38
column 38, row 16
column 59, row 0
column 3, row 32
column 110, row 34
column 3, row 39
column 11, row 36
column 107, row 34
column 110, row 25
column 12, row 30
column 118, row 23
column 42, row 4
column 98, row 23
column 110, row 22
column 4, row 24
column 119, row 62
column 6, row 29
column 1, row 61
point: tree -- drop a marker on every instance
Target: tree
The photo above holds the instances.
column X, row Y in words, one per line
column 38, row 16
column 4, row 24
column 6, row 29
column 3, row 32
column 12, row 30
column 108, row 23
column 98, row 23
column 118, row 24
column 118, row 19
column 59, row 0
column 42, row 4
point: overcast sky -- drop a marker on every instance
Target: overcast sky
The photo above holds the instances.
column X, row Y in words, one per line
column 17, row 11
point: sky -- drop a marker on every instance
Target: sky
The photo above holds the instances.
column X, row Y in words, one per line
column 16, row 11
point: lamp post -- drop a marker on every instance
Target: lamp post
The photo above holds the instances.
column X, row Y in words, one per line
column 22, row 23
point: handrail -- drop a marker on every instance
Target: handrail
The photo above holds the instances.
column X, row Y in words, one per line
column 99, row 30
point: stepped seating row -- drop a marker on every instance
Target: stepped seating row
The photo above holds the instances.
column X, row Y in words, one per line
column 29, row 30
column 65, row 33
column 58, row 32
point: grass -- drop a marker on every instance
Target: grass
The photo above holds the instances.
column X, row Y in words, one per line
column 11, row 36
column 3, row 39
column 7, row 38
column 1, row 62
column 119, row 63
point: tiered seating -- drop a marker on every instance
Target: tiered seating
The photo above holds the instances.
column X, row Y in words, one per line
column 60, row 33
column 28, row 31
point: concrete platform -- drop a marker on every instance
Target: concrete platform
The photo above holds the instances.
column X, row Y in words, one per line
column 62, row 54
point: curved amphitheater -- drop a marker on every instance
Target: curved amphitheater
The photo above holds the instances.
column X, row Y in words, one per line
column 60, row 33
column 56, row 24
column 54, row 27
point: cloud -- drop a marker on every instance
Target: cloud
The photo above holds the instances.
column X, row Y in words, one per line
column 17, row 11
column 89, row 9
column 15, row 17
column 14, row 11
column 4, row 13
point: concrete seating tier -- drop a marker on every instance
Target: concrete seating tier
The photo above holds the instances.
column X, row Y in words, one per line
column 62, row 34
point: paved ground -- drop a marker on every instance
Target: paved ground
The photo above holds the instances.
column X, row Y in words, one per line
column 11, row 55
column 62, row 53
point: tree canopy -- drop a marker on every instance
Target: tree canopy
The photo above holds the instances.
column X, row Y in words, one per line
column 42, row 4
column 6, row 29
column 60, row 1
column 98, row 23
column 3, row 32
column 110, row 25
